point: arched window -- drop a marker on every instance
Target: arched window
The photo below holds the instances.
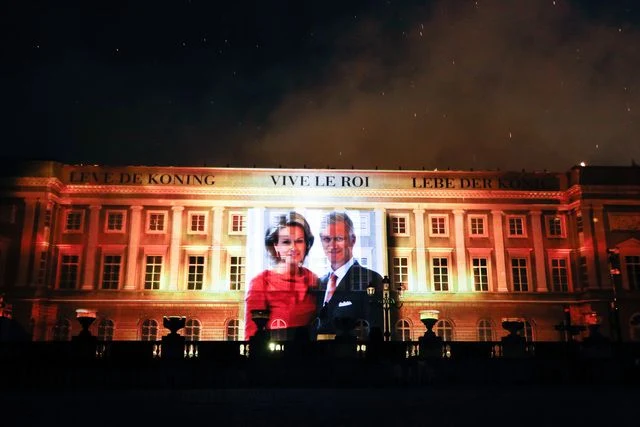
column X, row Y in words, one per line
column 634, row 327
column 444, row 330
column 192, row 330
column 278, row 330
column 485, row 332
column 149, row 331
column 527, row 332
column 403, row 330
column 62, row 330
column 361, row 329
column 233, row 330
column 105, row 330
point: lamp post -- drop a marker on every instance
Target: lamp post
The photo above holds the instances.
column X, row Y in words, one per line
column 387, row 301
column 614, row 274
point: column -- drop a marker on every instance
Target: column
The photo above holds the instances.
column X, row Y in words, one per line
column 421, row 253
column 92, row 244
column 25, row 243
column 215, row 256
column 134, row 245
column 498, row 242
column 461, row 255
column 538, row 251
column 40, row 264
column 381, row 240
column 174, row 254
column 600, row 246
column 589, row 247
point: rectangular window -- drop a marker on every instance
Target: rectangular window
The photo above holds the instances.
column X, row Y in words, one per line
column 236, row 273
column 365, row 226
column 152, row 272
column 440, row 274
column 115, row 222
column 156, row 222
column 579, row 224
column 195, row 277
column 559, row 275
column 516, row 226
column 555, row 226
column 111, row 272
column 477, row 226
column 401, row 271
column 439, row 225
column 237, row 223
column 519, row 274
column 73, row 221
column 399, row 225
column 633, row 271
column 584, row 272
column 42, row 267
column 69, row 267
column 480, row 274
column 47, row 218
column 197, row 222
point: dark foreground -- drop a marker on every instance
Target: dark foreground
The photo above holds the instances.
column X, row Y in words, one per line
column 522, row 405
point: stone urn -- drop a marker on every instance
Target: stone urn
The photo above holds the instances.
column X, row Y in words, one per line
column 429, row 318
column 174, row 323
column 86, row 318
column 260, row 317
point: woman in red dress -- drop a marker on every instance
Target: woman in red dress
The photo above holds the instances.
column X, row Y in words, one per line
column 286, row 289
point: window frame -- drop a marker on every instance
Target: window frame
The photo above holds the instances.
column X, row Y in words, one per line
column 111, row 253
column 562, row 224
column 109, row 212
column 449, row 267
column 243, row 221
column 403, row 330
column 405, row 271
column 143, row 326
column 523, row 219
column 67, row 213
column 482, row 327
column 434, row 216
column 444, row 326
column 553, row 256
column 165, row 221
column 625, row 269
column 69, row 252
column 487, row 268
column 243, row 267
column 483, row 218
column 235, row 327
column 107, row 325
column 400, row 217
column 192, row 325
column 144, row 270
column 525, row 254
column 204, row 270
column 190, row 216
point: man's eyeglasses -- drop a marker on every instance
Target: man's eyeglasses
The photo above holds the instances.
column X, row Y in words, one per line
column 328, row 239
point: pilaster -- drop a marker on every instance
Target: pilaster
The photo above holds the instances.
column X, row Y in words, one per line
column 88, row 282
column 538, row 251
column 498, row 242
column 174, row 250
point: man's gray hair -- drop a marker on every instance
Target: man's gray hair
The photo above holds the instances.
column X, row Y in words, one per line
column 335, row 217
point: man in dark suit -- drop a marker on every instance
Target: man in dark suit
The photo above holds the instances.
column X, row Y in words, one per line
column 343, row 291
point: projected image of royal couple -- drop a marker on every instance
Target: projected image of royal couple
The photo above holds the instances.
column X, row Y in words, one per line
column 298, row 302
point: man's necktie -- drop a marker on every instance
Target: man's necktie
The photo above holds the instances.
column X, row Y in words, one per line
column 331, row 287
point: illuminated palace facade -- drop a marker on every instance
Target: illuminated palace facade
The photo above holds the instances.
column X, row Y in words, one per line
column 139, row 243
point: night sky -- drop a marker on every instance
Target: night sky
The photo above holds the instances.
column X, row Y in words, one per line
column 380, row 83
